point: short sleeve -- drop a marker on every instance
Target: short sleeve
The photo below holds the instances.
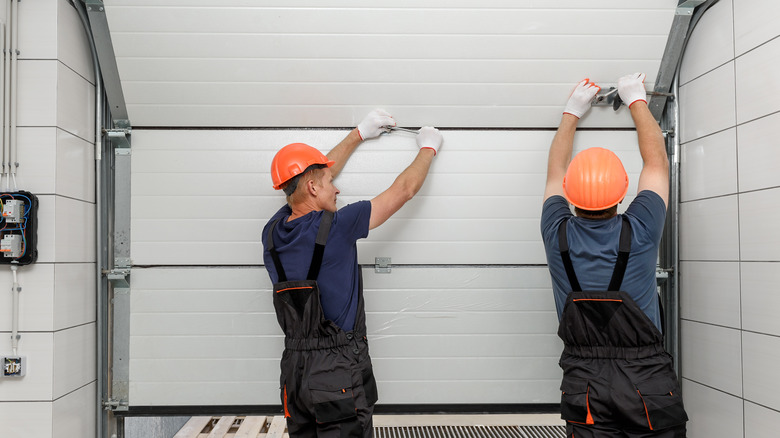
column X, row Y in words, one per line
column 554, row 210
column 648, row 212
column 354, row 219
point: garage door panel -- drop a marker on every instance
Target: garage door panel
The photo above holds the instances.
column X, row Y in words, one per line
column 209, row 336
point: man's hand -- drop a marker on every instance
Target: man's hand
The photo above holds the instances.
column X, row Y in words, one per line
column 581, row 97
column 631, row 88
column 374, row 124
column 429, row 138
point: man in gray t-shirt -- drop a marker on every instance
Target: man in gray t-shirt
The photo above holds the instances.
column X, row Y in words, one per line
column 618, row 380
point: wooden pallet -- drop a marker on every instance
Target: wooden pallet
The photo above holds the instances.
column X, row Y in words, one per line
column 234, row 427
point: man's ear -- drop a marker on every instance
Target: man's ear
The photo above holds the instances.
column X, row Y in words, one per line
column 311, row 187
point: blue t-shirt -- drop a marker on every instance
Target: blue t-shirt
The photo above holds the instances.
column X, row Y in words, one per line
column 339, row 275
column 593, row 247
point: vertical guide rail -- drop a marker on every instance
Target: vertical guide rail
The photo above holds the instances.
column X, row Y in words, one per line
column 669, row 251
column 113, row 162
column 665, row 109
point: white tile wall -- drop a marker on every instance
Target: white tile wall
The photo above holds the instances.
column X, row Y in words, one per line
column 27, row 418
column 74, row 294
column 52, row 29
column 712, row 356
column 37, row 29
column 759, row 239
column 759, row 302
column 758, row 154
column 712, row 44
column 65, row 241
column 754, row 92
column 72, row 416
column 72, row 45
column 56, row 105
column 760, row 422
column 753, row 108
column 710, row 104
column 710, row 292
column 709, row 229
column 708, row 166
column 75, row 103
column 712, row 413
column 754, row 23
column 52, row 160
column 37, row 384
column 760, row 355
column 75, row 237
column 74, row 363
column 37, row 159
column 36, row 302
column 46, row 225
column 37, row 93
column 75, row 167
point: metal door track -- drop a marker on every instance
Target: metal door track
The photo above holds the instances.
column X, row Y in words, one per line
column 470, row 432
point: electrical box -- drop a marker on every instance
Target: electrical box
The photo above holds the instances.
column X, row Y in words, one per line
column 18, row 228
column 14, row 366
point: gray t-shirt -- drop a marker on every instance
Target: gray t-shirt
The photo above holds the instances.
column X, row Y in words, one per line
column 593, row 247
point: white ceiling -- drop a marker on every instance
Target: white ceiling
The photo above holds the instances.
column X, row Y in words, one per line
column 309, row 63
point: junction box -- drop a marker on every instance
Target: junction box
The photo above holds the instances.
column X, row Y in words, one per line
column 18, row 228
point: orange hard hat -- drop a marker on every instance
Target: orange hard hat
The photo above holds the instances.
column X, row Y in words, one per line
column 595, row 180
column 292, row 160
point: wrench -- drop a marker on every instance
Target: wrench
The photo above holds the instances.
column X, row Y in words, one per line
column 397, row 128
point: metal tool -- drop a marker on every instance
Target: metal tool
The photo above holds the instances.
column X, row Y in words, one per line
column 611, row 97
column 397, row 128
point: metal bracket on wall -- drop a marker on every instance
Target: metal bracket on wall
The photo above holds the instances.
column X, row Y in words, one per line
column 118, row 277
column 382, row 265
column 116, row 405
column 119, row 137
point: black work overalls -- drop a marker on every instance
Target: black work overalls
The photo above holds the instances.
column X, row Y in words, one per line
column 327, row 383
column 616, row 372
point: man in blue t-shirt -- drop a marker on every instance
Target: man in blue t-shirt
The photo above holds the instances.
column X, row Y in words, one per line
column 618, row 380
column 310, row 251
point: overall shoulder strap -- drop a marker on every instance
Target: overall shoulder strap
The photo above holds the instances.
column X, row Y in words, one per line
column 620, row 266
column 563, row 247
column 622, row 260
column 319, row 245
column 274, row 255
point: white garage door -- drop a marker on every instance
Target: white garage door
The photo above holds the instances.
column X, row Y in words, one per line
column 466, row 316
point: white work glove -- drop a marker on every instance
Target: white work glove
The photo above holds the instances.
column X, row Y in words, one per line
column 429, row 138
column 374, row 124
column 581, row 97
column 631, row 88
